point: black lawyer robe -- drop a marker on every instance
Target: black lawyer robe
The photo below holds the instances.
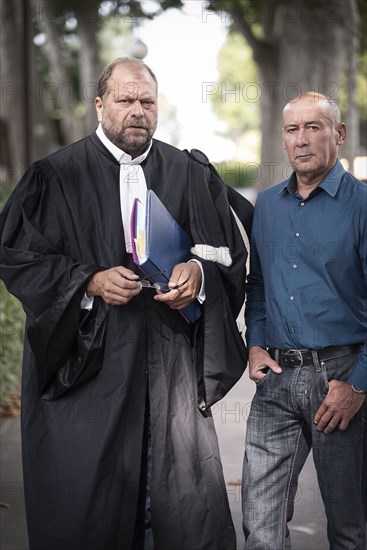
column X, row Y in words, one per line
column 86, row 374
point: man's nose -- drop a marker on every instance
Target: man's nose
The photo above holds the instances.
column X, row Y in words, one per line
column 302, row 138
column 137, row 109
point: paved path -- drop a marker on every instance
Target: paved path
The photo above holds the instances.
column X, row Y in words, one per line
column 13, row 531
column 308, row 527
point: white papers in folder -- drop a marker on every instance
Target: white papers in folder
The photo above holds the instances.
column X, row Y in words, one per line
column 140, row 231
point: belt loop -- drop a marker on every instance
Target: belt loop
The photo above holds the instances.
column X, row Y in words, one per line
column 315, row 357
column 277, row 355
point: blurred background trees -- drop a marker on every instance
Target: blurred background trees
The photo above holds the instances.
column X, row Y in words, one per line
column 11, row 335
column 298, row 46
column 53, row 50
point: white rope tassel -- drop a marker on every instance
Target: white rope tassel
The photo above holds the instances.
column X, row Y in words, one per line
column 220, row 255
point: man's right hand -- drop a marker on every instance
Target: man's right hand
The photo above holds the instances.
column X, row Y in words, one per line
column 259, row 363
column 116, row 286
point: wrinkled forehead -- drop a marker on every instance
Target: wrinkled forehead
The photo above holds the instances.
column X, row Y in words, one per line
column 131, row 82
column 306, row 110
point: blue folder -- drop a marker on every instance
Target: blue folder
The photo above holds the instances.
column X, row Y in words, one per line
column 159, row 243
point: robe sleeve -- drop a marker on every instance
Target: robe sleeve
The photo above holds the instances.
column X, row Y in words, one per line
column 222, row 250
column 41, row 265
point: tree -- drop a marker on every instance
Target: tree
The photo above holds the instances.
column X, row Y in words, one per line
column 14, row 65
column 61, row 85
column 297, row 46
column 63, row 74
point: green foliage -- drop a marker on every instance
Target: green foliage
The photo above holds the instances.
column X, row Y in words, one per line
column 139, row 9
column 361, row 97
column 238, row 174
column 237, row 95
column 362, row 6
column 113, row 42
column 11, row 342
column 11, row 330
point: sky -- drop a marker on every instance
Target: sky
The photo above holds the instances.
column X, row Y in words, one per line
column 182, row 51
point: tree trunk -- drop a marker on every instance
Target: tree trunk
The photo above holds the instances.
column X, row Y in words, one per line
column 13, row 108
column 26, row 132
column 351, row 147
column 70, row 126
column 89, row 65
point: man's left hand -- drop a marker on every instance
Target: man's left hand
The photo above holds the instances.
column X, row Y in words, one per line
column 185, row 294
column 338, row 407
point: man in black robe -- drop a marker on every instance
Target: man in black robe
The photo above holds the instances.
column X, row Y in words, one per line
column 117, row 385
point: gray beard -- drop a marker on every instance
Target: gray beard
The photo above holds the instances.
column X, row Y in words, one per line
column 133, row 147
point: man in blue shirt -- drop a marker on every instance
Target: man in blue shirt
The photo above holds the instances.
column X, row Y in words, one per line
column 306, row 322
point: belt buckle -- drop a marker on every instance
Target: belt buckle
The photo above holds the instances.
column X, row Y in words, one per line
column 294, row 352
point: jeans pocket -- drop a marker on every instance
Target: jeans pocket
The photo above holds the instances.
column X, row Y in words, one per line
column 263, row 380
column 339, row 368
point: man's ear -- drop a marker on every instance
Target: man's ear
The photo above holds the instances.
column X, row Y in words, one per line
column 342, row 133
column 99, row 108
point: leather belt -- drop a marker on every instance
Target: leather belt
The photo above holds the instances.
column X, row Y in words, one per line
column 305, row 357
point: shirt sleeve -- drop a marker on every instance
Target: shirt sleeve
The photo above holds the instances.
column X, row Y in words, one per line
column 255, row 312
column 201, row 296
column 358, row 376
column 86, row 303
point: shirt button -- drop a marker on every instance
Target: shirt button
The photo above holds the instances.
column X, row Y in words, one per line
column 294, row 266
column 302, row 203
column 297, row 234
column 291, row 298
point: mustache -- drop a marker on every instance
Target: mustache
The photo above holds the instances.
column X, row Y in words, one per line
column 136, row 124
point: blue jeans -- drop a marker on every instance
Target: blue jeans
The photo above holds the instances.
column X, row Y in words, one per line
column 280, row 434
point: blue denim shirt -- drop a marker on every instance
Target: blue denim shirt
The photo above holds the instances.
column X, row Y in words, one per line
column 307, row 286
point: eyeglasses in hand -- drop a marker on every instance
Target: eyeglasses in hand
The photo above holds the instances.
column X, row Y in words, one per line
column 164, row 287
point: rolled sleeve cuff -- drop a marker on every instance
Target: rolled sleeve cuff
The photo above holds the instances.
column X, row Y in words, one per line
column 255, row 337
column 358, row 376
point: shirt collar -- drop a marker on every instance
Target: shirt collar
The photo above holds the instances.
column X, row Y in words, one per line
column 119, row 154
column 330, row 183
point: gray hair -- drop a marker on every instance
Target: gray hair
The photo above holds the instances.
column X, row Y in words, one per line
column 333, row 110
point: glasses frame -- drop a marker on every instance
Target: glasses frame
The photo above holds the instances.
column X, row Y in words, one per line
column 164, row 287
